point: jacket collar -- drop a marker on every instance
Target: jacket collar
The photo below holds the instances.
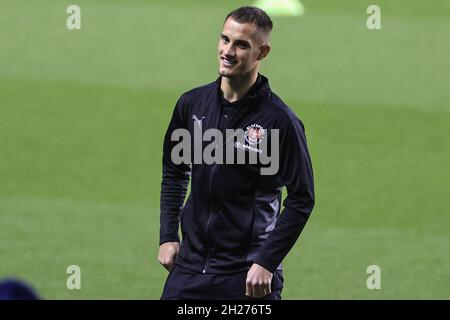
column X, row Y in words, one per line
column 257, row 92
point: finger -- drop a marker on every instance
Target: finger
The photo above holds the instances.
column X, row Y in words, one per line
column 167, row 264
column 267, row 290
column 262, row 290
column 248, row 288
column 258, row 290
column 170, row 266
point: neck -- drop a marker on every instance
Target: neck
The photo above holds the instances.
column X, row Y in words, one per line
column 235, row 88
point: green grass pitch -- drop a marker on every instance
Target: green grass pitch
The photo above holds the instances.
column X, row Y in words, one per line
column 83, row 114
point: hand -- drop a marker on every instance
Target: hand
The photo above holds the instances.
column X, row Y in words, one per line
column 167, row 254
column 258, row 283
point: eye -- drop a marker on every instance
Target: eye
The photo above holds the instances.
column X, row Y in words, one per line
column 242, row 45
column 225, row 39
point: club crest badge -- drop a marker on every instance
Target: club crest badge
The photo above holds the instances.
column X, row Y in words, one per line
column 254, row 134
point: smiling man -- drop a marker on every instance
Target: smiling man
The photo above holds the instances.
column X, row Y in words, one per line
column 234, row 235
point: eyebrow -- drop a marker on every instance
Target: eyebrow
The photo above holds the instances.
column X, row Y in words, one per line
column 238, row 41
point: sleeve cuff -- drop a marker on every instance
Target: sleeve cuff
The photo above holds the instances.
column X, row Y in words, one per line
column 168, row 238
column 269, row 265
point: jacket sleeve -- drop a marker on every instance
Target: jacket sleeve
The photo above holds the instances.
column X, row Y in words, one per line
column 297, row 175
column 175, row 180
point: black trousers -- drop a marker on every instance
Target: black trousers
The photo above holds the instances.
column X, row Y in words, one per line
column 186, row 284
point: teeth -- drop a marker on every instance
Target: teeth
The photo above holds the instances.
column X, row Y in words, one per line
column 226, row 61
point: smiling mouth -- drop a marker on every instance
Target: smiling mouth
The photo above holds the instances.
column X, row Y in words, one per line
column 228, row 63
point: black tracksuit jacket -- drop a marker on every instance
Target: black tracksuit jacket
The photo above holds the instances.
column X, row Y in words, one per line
column 232, row 216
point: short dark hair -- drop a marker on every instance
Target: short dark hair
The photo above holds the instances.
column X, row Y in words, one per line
column 253, row 15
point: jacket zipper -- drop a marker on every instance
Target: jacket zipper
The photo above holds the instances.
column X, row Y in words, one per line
column 208, row 221
column 208, row 254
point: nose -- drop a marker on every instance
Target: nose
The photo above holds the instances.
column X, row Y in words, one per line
column 228, row 50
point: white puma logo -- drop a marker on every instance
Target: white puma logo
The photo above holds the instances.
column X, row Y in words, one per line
column 199, row 121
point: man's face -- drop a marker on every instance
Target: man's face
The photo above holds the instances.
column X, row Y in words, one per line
column 239, row 48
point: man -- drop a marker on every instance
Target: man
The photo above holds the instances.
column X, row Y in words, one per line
column 233, row 235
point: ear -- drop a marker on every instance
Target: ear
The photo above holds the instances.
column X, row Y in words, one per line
column 265, row 49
